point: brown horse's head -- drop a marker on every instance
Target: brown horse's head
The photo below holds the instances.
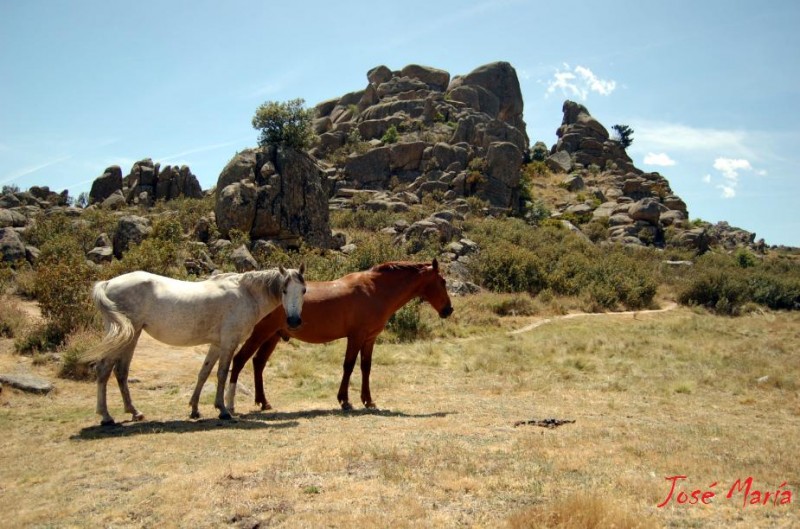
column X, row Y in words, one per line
column 434, row 291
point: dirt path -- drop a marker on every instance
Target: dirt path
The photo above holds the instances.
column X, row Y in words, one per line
column 634, row 313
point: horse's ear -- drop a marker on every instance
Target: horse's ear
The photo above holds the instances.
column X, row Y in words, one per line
column 435, row 265
column 302, row 268
column 282, row 270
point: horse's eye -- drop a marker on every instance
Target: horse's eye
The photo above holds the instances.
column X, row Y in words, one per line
column 304, row 290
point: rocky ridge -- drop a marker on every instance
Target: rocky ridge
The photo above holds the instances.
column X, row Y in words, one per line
column 409, row 135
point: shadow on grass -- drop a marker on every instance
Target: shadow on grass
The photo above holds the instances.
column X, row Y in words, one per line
column 272, row 415
column 130, row 428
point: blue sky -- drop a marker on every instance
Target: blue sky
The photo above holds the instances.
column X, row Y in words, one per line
column 710, row 87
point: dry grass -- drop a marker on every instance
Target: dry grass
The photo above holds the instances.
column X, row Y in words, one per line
column 678, row 392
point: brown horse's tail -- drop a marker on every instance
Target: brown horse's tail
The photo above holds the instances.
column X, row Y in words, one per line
column 119, row 329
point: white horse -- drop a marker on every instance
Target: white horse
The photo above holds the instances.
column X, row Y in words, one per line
column 220, row 311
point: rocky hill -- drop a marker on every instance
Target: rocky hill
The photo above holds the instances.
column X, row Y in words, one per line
column 410, row 136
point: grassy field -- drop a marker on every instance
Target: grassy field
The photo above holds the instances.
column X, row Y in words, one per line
column 678, row 392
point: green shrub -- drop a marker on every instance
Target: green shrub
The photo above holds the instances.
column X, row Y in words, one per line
column 391, row 135
column 515, row 257
column 726, row 283
column 407, row 324
column 517, row 305
column 62, row 283
column 287, row 123
column 506, row 267
column 13, row 319
column 72, row 364
column 43, row 337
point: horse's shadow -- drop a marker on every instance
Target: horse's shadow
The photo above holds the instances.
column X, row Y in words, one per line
column 131, row 428
column 272, row 415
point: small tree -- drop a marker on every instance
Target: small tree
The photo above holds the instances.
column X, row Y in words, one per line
column 624, row 135
column 287, row 124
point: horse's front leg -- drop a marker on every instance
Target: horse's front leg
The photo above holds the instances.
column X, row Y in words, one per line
column 366, row 365
column 202, row 376
column 349, row 363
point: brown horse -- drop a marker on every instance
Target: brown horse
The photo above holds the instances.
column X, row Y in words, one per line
column 357, row 307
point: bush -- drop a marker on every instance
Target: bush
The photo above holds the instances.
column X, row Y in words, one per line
column 518, row 258
column 407, row 324
column 506, row 267
column 726, row 283
column 72, row 364
column 62, row 282
column 162, row 253
column 287, row 124
column 391, row 135
column 13, row 319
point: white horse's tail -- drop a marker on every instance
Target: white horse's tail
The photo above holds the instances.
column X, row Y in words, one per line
column 119, row 329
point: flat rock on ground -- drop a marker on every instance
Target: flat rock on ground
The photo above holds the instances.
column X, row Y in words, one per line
column 27, row 382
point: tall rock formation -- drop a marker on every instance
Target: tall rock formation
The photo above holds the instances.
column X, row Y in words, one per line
column 419, row 131
column 274, row 193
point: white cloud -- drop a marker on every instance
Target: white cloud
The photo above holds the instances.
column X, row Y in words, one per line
column 578, row 82
column 728, row 191
column 661, row 159
column 731, row 170
column 730, row 167
column 596, row 84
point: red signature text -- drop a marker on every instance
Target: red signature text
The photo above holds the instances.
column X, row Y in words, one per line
column 742, row 490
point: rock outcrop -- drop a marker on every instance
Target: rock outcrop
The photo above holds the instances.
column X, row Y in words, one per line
column 146, row 183
column 274, row 193
column 417, row 130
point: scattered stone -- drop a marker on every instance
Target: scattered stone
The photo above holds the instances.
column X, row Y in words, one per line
column 28, row 383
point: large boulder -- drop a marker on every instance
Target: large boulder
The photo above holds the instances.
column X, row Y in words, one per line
column 647, row 209
column 12, row 219
column 131, row 229
column 235, row 207
column 106, row 184
column 500, row 79
column 174, row 182
column 434, row 78
column 12, row 249
column 503, row 162
column 274, row 193
column 370, row 168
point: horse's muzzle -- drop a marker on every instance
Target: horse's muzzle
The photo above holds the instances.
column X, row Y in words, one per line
column 294, row 322
column 445, row 312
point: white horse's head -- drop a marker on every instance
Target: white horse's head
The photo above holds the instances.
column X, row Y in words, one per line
column 294, row 287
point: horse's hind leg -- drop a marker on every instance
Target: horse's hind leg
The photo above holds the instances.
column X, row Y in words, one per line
column 121, row 370
column 259, row 363
column 366, row 366
column 103, row 370
column 202, row 376
column 347, row 369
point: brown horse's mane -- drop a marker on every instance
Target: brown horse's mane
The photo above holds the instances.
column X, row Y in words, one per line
column 399, row 266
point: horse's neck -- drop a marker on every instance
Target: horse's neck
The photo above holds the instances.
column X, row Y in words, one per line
column 399, row 287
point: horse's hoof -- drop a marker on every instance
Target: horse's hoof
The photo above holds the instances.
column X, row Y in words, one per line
column 138, row 416
column 346, row 406
column 370, row 405
column 225, row 416
column 194, row 415
column 266, row 406
column 108, row 422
